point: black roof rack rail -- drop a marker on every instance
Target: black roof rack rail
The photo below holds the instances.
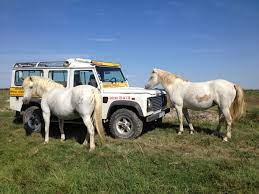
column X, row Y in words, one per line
column 26, row 64
column 41, row 64
column 51, row 64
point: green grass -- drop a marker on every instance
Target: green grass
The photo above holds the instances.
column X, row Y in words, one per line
column 159, row 161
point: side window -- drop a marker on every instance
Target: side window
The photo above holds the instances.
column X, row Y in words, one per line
column 84, row 77
column 59, row 76
column 20, row 75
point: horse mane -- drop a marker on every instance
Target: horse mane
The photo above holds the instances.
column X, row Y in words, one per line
column 44, row 82
column 167, row 77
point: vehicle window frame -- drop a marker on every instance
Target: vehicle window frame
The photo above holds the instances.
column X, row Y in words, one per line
column 119, row 69
column 80, row 70
column 16, row 71
column 59, row 70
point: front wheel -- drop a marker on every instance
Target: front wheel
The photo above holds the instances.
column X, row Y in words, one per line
column 32, row 119
column 125, row 124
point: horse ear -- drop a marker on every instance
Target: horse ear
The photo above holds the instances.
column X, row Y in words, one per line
column 30, row 78
column 154, row 71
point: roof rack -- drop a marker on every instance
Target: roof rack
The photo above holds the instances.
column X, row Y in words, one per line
column 26, row 64
column 51, row 64
column 41, row 64
column 75, row 62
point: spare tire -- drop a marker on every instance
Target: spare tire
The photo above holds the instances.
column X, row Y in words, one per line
column 33, row 120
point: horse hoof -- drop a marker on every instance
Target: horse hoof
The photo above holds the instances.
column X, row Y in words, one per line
column 191, row 132
column 91, row 149
column 45, row 142
column 225, row 139
column 179, row 133
column 63, row 137
column 229, row 135
column 85, row 143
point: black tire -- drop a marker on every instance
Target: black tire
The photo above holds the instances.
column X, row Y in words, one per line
column 33, row 120
column 130, row 125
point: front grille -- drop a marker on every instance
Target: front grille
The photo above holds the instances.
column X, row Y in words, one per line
column 157, row 103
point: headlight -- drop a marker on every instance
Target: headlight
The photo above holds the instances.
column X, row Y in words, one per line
column 149, row 105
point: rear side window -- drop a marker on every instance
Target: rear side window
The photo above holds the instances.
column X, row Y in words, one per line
column 59, row 76
column 84, row 77
column 20, row 75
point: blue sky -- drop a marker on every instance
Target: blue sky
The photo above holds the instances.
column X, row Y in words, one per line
column 197, row 39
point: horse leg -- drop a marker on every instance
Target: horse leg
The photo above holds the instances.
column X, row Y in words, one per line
column 61, row 128
column 90, row 129
column 179, row 110
column 187, row 117
column 228, row 118
column 86, row 139
column 221, row 121
column 46, row 117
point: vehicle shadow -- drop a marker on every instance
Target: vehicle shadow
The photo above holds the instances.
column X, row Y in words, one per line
column 79, row 131
column 72, row 131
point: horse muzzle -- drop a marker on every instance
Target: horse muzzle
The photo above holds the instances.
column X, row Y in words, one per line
column 147, row 86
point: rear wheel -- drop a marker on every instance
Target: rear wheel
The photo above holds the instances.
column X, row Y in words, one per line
column 33, row 120
column 125, row 124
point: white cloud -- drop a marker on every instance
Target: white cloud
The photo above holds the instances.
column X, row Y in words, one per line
column 175, row 3
column 219, row 3
column 103, row 39
column 202, row 36
column 207, row 51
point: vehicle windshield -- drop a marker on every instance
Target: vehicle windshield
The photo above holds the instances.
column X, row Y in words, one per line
column 110, row 74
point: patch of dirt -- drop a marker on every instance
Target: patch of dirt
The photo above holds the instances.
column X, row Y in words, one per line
column 4, row 109
column 208, row 115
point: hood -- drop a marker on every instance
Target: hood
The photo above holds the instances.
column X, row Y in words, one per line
column 133, row 90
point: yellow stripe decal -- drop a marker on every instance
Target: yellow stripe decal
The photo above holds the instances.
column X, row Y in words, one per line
column 16, row 91
column 115, row 85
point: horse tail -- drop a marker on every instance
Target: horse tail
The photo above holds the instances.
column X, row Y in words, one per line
column 237, row 109
column 97, row 114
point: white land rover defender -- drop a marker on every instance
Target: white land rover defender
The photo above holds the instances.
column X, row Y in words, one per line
column 125, row 109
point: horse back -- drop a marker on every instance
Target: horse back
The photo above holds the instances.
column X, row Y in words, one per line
column 203, row 95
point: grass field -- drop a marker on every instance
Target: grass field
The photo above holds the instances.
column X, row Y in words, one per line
column 159, row 161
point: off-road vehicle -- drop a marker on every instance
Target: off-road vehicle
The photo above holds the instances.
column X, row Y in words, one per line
column 125, row 109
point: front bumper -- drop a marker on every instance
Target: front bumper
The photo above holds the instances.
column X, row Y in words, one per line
column 157, row 115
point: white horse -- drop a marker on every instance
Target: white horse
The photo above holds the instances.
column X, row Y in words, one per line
column 66, row 103
column 185, row 95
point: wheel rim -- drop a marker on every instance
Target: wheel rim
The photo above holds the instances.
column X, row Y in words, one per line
column 34, row 122
column 124, row 126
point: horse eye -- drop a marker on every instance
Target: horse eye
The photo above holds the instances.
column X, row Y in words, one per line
column 31, row 87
